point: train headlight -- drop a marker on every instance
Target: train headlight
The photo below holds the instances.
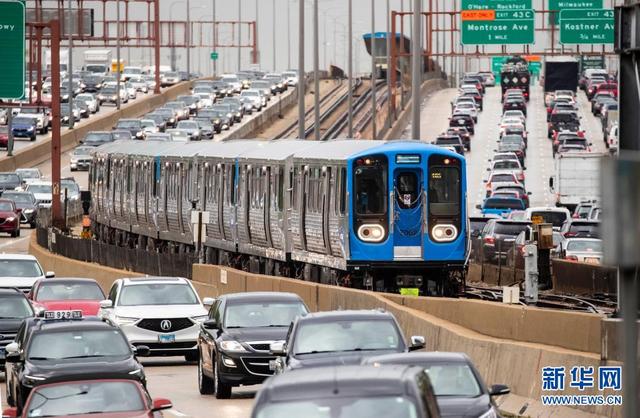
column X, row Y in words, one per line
column 444, row 233
column 371, row 233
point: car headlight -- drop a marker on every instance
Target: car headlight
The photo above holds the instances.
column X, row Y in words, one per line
column 11, row 219
column 138, row 134
column 491, row 413
column 65, row 96
column 30, row 128
column 172, row 120
column 31, row 380
column 232, row 346
column 114, row 97
column 28, row 211
column 199, row 318
column 217, row 121
column 125, row 320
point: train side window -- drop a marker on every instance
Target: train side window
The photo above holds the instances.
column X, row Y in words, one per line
column 232, row 186
column 280, row 179
column 293, row 179
column 343, row 190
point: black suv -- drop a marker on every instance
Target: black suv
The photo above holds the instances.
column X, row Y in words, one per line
column 463, row 121
column 9, row 181
column 341, row 338
column 234, row 343
column 349, row 391
column 450, row 141
column 14, row 308
column 563, row 121
column 45, row 351
column 499, row 235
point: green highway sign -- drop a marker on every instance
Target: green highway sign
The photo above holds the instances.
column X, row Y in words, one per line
column 498, row 26
column 214, row 56
column 586, row 26
column 502, row 5
column 496, row 67
column 591, row 61
column 559, row 5
column 12, row 45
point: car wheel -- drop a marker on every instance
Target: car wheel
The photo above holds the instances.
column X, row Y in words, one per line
column 205, row 383
column 192, row 356
column 18, row 232
column 32, row 225
column 33, row 138
column 221, row 390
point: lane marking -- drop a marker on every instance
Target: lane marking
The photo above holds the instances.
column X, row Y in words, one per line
column 14, row 241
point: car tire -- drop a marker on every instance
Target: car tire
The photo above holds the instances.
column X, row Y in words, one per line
column 18, row 231
column 192, row 356
column 205, row 383
column 33, row 225
column 33, row 138
column 220, row 389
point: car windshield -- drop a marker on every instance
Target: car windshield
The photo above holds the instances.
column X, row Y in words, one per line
column 347, row 335
column 18, row 197
column 19, row 268
column 500, row 203
column 108, row 90
column 85, row 398
column 27, row 173
column 98, row 137
column 342, row 407
column 81, row 151
column 453, row 379
column 502, row 178
column 24, row 121
column 39, row 188
column 250, row 93
column 128, row 124
column 584, row 229
column 510, row 228
column 551, row 217
column 506, row 165
column 9, row 178
column 594, row 245
column 157, row 294
column 15, row 307
column 262, row 314
column 6, row 207
column 187, row 125
column 78, row 344
column 69, row 291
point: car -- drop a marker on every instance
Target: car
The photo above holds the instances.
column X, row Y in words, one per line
column 42, row 191
column 583, row 209
column 24, row 127
column 139, row 83
column 612, row 139
column 450, row 141
column 565, row 148
column 206, row 127
column 134, row 126
column 93, row 83
column 41, row 114
column 14, row 308
column 468, row 109
column 28, row 175
column 457, row 384
column 97, row 138
column 95, row 397
column 515, row 104
column 607, row 87
column 205, row 98
column 348, row 391
column 232, row 81
column 254, row 97
column 499, row 178
column 159, row 120
column 4, row 137
column 489, row 78
column 598, row 104
column 109, row 94
column 149, row 126
column 129, row 72
column 191, row 101
column 515, row 114
column 569, row 138
column 279, row 82
column 463, row 133
column 91, row 101
column 237, row 109
column 515, row 255
column 9, row 217
column 234, row 341
column 80, row 294
column 264, row 86
column 163, row 313
column 291, row 77
column 515, row 144
column 504, row 156
column 463, row 99
column 191, row 128
column 66, row 111
column 580, row 228
column 227, row 111
column 508, row 166
column 86, row 347
column 81, row 158
column 498, row 236
column 555, row 216
column 21, row 271
column 500, row 205
column 463, row 120
column 165, row 136
column 169, row 79
column 175, row 135
column 563, row 120
column 516, row 129
column 217, row 117
column 182, row 111
column 333, row 338
column 9, row 181
column 169, row 116
column 121, row 135
column 584, row 250
column 27, row 204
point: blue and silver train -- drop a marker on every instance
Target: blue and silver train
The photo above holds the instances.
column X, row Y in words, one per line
column 379, row 215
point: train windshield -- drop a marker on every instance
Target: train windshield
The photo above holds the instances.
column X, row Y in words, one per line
column 370, row 179
column 444, row 190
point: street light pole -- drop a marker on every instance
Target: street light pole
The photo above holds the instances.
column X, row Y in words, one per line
column 316, row 74
column 274, row 35
column 239, row 34
column 390, row 105
column 374, row 134
column 302, row 82
column 188, row 36
column 118, row 101
column 70, row 69
column 215, row 37
column 288, row 34
column 416, row 72
column 350, row 69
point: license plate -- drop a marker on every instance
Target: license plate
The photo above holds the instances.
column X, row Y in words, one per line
column 591, row 260
column 75, row 314
column 167, row 338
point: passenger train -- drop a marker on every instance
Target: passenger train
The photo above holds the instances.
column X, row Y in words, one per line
column 378, row 215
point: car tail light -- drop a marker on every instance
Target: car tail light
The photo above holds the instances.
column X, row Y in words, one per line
column 569, row 234
column 489, row 240
column 571, row 258
column 522, row 250
column 520, row 176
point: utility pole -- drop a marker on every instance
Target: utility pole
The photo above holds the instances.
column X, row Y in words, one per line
column 188, row 41
column 302, row 82
column 350, row 69
column 391, row 37
column 70, row 69
column 215, row 37
column 416, row 72
column 118, row 101
column 274, row 35
column 240, row 34
column 316, row 74
column 374, row 134
column 288, row 34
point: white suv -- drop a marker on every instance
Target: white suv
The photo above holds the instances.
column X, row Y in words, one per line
column 21, row 271
column 163, row 313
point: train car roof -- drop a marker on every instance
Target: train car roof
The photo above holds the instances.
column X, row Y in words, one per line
column 339, row 149
column 143, row 148
column 277, row 150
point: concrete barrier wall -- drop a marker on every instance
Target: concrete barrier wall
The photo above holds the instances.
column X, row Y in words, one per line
column 501, row 359
column 583, row 278
column 41, row 150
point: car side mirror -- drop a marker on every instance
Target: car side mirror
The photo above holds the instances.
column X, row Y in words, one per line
column 10, row 413
column 499, row 390
column 208, row 301
column 488, row 169
column 160, row 404
column 106, row 304
column 528, row 193
column 210, row 324
column 478, row 206
column 277, row 348
column 417, row 343
column 142, row 351
column 50, row 275
column 551, row 182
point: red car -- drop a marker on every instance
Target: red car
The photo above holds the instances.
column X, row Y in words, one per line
column 611, row 87
column 107, row 398
column 67, row 294
column 9, row 218
column 4, row 136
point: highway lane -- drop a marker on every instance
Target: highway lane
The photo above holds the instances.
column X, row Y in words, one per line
column 539, row 163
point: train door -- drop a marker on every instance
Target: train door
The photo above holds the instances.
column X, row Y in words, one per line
column 408, row 213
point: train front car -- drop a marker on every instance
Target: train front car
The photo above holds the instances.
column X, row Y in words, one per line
column 408, row 220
